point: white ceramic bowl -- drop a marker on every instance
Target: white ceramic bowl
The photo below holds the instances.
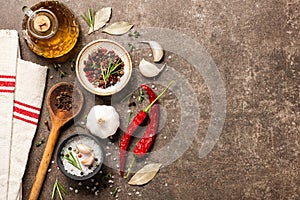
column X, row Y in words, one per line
column 109, row 45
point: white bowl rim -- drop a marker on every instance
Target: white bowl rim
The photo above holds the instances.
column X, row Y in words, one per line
column 80, row 77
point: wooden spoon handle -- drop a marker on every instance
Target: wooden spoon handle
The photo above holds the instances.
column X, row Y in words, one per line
column 44, row 164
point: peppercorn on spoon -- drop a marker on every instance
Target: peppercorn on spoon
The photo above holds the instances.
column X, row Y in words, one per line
column 64, row 102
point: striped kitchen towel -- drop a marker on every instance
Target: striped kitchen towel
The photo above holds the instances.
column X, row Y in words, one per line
column 22, row 85
column 31, row 79
column 8, row 62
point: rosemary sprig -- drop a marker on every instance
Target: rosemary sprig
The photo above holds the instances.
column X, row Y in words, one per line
column 73, row 160
column 89, row 18
column 114, row 66
column 58, row 188
column 106, row 73
column 103, row 74
column 115, row 192
column 118, row 71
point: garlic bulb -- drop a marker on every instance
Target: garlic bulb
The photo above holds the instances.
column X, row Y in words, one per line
column 103, row 121
column 148, row 69
column 157, row 50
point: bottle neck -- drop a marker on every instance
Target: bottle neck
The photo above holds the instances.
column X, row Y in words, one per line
column 42, row 23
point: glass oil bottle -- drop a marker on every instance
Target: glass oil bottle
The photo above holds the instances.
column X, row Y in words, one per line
column 50, row 29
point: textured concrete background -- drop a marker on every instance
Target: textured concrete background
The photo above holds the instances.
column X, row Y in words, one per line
column 255, row 45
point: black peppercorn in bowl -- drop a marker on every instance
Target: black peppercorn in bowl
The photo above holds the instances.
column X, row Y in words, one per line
column 103, row 67
column 80, row 156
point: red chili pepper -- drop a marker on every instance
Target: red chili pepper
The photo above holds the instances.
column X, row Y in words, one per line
column 139, row 118
column 147, row 140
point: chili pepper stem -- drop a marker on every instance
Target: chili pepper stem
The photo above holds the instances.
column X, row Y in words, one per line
column 130, row 167
column 151, row 104
column 128, row 95
column 129, row 118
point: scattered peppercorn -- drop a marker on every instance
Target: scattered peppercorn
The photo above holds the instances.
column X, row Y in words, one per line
column 131, row 104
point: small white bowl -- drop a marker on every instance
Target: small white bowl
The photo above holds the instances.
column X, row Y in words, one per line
column 109, row 45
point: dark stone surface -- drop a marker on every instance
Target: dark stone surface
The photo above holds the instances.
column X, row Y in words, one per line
column 255, row 45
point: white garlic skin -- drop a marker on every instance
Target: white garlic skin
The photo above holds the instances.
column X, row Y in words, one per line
column 103, row 121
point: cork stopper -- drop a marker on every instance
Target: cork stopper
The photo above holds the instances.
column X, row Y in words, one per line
column 41, row 23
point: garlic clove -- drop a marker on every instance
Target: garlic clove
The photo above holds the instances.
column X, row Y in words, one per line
column 89, row 160
column 84, row 149
column 148, row 69
column 157, row 50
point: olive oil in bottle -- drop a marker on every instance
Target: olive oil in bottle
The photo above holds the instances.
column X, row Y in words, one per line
column 50, row 29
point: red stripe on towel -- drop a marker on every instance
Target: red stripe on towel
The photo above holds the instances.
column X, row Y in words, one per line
column 7, row 83
column 25, row 120
column 26, row 105
column 25, row 112
column 7, row 76
column 7, row 91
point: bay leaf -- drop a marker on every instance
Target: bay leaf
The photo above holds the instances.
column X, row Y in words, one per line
column 146, row 174
column 101, row 17
column 118, row 28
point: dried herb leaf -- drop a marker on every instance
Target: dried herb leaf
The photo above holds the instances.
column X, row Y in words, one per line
column 131, row 47
column 42, row 141
column 145, row 174
column 118, row 28
column 115, row 192
column 61, row 73
column 55, row 66
column 136, row 34
column 72, row 64
column 108, row 175
column 101, row 17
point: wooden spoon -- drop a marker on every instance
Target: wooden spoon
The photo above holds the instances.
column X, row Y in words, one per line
column 58, row 118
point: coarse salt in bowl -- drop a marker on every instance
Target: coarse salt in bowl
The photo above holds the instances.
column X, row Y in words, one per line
column 69, row 146
column 109, row 45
